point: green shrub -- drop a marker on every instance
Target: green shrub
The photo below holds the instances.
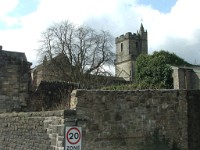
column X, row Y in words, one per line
column 154, row 71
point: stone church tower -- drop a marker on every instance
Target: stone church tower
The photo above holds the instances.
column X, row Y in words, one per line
column 128, row 48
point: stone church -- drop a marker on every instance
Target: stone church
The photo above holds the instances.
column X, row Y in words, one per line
column 130, row 45
column 128, row 48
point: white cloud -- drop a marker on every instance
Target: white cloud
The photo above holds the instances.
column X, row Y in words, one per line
column 180, row 30
column 177, row 31
column 7, row 6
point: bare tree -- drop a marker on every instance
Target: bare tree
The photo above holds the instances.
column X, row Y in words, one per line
column 75, row 52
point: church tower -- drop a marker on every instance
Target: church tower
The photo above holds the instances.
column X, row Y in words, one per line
column 128, row 48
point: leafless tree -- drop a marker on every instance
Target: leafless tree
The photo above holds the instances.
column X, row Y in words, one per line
column 76, row 51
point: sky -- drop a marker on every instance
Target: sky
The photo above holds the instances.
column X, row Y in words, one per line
column 172, row 25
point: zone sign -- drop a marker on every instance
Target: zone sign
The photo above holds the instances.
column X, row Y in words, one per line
column 73, row 138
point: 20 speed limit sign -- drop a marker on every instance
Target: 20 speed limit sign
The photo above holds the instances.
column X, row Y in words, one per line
column 73, row 138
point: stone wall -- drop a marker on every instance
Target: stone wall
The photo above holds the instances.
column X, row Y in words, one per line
column 14, row 80
column 117, row 120
column 10, row 103
column 120, row 119
column 193, row 102
column 33, row 130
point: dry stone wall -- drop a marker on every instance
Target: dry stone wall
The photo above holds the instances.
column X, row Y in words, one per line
column 33, row 130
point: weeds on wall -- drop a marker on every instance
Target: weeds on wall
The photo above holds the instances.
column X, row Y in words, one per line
column 157, row 141
column 121, row 87
column 133, row 86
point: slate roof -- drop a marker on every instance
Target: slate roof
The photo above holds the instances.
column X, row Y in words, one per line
column 55, row 85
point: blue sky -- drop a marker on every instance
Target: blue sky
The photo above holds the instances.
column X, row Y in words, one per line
column 172, row 25
column 163, row 6
column 24, row 7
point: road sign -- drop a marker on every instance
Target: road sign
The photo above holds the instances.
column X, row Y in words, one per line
column 73, row 137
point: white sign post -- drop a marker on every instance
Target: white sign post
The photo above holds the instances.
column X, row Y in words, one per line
column 73, row 137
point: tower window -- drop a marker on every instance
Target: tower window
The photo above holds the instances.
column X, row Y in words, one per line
column 122, row 47
column 131, row 75
column 136, row 44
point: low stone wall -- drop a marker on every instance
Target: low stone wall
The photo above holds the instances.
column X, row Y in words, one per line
column 33, row 130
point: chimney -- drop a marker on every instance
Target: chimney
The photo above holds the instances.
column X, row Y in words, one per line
column 1, row 47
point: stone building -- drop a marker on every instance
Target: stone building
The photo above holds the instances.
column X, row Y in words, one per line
column 58, row 70
column 51, row 70
column 128, row 48
column 186, row 77
column 15, row 80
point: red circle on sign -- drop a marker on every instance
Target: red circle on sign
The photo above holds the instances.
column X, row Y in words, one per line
column 79, row 137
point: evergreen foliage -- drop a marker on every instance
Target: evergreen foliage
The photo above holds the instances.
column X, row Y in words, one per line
column 154, row 71
column 172, row 58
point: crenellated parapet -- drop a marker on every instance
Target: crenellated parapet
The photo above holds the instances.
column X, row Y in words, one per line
column 9, row 57
column 126, row 36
